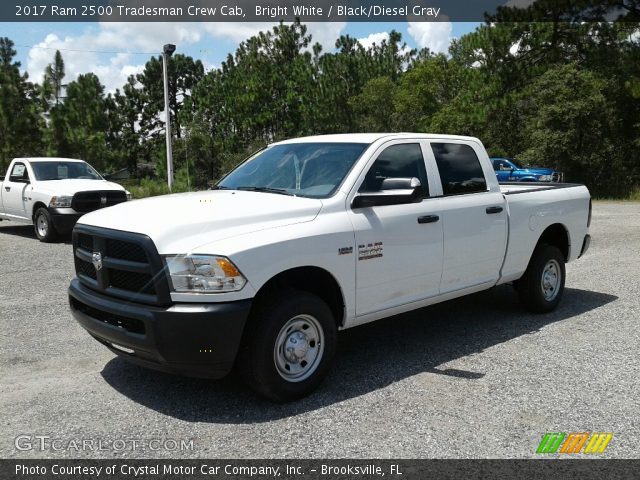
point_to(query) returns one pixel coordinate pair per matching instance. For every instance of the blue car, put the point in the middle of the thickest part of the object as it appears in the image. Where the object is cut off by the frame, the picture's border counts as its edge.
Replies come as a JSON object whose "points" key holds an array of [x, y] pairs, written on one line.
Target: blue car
{"points": [[508, 170]]}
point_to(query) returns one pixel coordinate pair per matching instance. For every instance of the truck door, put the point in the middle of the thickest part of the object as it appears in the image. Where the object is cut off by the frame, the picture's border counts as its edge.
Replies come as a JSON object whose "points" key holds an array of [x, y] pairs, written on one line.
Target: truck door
{"points": [[474, 217], [398, 248], [502, 169], [13, 190]]}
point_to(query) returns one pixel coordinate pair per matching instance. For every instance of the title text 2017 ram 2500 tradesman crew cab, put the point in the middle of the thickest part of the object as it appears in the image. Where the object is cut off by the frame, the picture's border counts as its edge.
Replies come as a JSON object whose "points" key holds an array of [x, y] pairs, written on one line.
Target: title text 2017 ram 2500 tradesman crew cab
{"points": [[310, 236], [52, 193]]}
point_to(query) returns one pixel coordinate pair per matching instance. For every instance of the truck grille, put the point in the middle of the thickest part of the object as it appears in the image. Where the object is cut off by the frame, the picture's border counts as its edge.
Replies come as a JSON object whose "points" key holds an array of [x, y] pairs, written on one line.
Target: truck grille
{"points": [[134, 282], [126, 251], [120, 264], [89, 201], [556, 177], [85, 268]]}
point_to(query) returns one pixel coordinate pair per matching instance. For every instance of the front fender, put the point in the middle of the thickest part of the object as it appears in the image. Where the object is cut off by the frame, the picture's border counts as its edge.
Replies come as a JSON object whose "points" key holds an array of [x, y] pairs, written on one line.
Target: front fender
{"points": [[37, 198]]}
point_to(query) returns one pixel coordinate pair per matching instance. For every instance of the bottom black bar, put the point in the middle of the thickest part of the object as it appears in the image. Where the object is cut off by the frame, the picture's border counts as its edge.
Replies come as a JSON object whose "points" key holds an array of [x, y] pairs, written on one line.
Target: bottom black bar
{"points": [[319, 469]]}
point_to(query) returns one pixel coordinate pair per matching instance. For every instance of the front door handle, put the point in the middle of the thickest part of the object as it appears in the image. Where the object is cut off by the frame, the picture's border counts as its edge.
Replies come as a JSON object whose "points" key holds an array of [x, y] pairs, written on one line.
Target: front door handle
{"points": [[491, 210], [8, 189], [428, 219]]}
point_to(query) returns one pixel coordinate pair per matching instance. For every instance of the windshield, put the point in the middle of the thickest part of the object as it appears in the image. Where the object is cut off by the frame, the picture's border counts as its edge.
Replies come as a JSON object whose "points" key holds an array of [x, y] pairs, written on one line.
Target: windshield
{"points": [[516, 164], [64, 171], [313, 170]]}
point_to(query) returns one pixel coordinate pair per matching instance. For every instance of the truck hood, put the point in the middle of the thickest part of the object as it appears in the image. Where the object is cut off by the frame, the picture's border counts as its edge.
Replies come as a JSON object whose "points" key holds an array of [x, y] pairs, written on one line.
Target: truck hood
{"points": [[180, 223], [70, 187]]}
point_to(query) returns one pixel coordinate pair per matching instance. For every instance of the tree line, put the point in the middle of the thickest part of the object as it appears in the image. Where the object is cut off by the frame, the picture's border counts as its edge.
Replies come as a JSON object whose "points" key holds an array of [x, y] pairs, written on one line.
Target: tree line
{"points": [[564, 94]]}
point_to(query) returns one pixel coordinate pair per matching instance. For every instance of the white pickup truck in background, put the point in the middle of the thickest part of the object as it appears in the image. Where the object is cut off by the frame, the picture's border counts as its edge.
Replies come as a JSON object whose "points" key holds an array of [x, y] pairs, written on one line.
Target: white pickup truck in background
{"points": [[310, 236], [52, 193]]}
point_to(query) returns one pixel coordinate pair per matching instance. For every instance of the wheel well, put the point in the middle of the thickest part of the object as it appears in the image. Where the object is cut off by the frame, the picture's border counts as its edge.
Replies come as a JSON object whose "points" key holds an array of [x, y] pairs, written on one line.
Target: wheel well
{"points": [[310, 279], [36, 206], [557, 236]]}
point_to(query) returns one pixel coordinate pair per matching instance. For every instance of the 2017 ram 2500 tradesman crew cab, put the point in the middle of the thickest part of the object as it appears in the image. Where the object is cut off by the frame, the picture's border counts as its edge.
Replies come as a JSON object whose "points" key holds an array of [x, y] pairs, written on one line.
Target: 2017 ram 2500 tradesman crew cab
{"points": [[52, 193], [310, 236]]}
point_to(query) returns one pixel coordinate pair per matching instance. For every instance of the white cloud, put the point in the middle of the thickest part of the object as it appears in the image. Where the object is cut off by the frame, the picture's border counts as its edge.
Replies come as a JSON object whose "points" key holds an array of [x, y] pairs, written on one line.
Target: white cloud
{"points": [[146, 35], [115, 73], [80, 56], [376, 38], [80, 52], [42, 54], [326, 33], [434, 35], [237, 31]]}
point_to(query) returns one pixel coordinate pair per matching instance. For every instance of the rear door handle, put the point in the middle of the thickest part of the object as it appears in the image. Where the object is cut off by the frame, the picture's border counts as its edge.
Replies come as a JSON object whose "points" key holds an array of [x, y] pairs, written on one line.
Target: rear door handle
{"points": [[8, 189], [491, 210], [428, 219]]}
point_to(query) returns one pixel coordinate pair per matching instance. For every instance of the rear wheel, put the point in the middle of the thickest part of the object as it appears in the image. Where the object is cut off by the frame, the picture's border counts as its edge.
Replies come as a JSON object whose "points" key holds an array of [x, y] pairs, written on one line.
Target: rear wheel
{"points": [[45, 231], [289, 345], [542, 285]]}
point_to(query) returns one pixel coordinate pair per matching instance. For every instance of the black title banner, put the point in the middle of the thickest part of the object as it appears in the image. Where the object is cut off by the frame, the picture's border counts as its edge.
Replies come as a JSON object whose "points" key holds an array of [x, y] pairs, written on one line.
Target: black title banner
{"points": [[315, 10], [121, 469]]}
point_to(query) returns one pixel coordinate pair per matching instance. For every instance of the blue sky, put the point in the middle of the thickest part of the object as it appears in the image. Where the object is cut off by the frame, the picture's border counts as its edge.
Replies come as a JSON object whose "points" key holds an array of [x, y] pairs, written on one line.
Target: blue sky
{"points": [[129, 45]]}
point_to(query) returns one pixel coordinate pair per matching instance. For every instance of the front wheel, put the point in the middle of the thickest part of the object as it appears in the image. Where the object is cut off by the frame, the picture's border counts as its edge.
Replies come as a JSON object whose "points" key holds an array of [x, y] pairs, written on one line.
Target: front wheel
{"points": [[289, 345], [542, 285], [45, 231]]}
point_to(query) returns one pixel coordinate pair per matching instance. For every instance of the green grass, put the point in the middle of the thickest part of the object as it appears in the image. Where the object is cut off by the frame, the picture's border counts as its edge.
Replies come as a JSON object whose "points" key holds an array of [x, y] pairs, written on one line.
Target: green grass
{"points": [[634, 196], [146, 187]]}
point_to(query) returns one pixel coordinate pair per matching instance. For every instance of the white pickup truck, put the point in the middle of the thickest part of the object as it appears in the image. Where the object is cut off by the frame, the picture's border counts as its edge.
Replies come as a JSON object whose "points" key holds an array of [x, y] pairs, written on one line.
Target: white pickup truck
{"points": [[310, 236], [52, 193]]}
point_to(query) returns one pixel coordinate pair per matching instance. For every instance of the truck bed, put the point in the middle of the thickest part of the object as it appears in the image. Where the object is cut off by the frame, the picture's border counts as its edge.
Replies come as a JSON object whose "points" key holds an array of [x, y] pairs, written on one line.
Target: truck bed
{"points": [[541, 204]]}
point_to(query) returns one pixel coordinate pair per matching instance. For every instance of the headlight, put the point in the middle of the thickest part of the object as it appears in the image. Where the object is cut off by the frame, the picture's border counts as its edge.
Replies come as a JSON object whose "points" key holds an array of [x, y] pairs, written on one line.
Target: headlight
{"points": [[60, 202], [544, 178], [129, 197], [203, 274]]}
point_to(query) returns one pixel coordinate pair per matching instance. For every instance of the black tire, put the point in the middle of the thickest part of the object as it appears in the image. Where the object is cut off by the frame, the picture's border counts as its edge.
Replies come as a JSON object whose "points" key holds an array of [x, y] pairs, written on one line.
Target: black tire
{"points": [[536, 294], [258, 357], [45, 231]]}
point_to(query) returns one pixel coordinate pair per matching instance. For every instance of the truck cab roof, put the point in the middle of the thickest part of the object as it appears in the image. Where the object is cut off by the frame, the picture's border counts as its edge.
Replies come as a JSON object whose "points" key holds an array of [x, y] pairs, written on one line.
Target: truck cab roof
{"points": [[371, 137], [47, 159]]}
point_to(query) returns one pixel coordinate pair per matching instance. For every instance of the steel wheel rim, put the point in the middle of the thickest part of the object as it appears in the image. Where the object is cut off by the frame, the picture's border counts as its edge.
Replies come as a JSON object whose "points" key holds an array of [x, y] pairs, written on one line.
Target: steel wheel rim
{"points": [[42, 226], [299, 348], [551, 280]]}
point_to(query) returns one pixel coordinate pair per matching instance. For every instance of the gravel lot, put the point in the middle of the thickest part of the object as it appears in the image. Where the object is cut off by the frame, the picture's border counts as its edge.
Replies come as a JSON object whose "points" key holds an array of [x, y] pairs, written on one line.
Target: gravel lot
{"points": [[476, 377]]}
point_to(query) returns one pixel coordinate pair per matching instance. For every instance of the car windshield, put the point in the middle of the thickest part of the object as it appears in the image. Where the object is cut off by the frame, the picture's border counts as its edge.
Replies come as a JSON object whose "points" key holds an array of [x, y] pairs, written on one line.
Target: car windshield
{"points": [[64, 171], [313, 170], [516, 164]]}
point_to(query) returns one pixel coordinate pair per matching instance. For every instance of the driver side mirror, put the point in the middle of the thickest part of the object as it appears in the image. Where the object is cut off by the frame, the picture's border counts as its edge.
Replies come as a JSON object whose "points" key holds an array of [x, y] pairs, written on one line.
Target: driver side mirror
{"points": [[393, 191]]}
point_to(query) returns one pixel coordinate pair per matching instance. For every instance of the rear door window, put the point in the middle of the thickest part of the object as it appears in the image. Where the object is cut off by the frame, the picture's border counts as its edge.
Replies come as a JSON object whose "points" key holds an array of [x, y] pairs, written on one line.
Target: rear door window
{"points": [[459, 168]]}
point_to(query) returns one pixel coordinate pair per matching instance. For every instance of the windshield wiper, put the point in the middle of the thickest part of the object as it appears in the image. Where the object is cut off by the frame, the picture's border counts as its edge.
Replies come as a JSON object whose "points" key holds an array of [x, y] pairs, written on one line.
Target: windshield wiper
{"points": [[280, 191]]}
